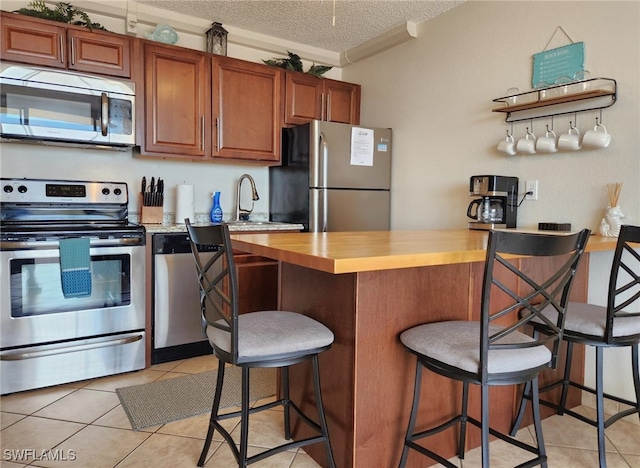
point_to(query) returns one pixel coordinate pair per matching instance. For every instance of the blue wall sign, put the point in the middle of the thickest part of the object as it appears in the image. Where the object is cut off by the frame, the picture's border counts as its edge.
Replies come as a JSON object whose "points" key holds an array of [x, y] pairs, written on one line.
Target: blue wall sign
{"points": [[550, 65]]}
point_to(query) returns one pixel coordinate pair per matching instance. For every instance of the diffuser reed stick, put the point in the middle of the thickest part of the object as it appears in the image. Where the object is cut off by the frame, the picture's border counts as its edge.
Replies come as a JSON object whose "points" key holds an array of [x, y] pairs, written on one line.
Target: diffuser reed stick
{"points": [[614, 193]]}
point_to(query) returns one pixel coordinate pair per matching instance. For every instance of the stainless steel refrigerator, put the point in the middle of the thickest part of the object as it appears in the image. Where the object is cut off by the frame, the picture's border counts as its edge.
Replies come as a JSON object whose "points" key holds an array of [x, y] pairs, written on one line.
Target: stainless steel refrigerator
{"points": [[334, 177]]}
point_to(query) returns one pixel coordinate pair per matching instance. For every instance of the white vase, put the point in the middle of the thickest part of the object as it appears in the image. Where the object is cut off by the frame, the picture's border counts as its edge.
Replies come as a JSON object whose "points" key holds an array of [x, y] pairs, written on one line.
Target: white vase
{"points": [[612, 221]]}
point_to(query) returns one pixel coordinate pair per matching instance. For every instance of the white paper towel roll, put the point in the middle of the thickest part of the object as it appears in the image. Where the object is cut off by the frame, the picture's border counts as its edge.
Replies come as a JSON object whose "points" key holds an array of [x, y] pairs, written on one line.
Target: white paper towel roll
{"points": [[184, 203]]}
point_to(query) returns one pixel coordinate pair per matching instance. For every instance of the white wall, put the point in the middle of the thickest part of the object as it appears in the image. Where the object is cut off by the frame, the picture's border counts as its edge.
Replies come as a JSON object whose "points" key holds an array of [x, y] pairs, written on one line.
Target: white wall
{"points": [[436, 93]]}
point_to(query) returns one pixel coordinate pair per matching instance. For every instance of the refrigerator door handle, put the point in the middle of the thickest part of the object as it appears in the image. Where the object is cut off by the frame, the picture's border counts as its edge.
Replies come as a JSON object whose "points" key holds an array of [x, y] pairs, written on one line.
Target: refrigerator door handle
{"points": [[323, 153], [324, 210]]}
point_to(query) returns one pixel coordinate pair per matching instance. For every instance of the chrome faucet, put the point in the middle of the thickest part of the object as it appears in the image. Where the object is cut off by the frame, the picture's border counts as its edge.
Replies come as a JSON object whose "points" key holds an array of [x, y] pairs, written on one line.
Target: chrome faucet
{"points": [[241, 214]]}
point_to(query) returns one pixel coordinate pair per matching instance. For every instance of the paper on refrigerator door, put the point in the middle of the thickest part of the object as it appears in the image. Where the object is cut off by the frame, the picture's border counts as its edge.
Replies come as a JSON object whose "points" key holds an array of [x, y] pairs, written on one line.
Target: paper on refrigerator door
{"points": [[361, 146]]}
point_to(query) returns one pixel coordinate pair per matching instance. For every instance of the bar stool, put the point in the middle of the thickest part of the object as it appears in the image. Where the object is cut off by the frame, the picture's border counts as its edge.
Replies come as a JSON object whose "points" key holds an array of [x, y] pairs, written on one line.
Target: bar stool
{"points": [[494, 350], [602, 327], [257, 339]]}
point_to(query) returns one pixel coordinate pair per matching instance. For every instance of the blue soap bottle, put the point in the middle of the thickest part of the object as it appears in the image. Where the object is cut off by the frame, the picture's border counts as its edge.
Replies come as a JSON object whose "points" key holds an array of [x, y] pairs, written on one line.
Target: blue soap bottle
{"points": [[216, 210]]}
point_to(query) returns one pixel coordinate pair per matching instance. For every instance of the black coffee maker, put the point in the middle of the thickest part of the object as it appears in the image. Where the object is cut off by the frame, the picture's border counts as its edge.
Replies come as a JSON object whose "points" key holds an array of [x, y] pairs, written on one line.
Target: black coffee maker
{"points": [[497, 206]]}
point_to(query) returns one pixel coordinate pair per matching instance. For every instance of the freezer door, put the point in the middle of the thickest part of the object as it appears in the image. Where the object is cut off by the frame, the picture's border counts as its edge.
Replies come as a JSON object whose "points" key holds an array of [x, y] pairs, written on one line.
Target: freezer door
{"points": [[349, 210], [333, 156]]}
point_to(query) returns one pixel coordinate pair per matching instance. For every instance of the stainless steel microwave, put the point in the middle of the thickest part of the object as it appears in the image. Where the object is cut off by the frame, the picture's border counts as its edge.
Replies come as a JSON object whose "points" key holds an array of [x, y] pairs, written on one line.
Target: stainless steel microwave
{"points": [[48, 105]]}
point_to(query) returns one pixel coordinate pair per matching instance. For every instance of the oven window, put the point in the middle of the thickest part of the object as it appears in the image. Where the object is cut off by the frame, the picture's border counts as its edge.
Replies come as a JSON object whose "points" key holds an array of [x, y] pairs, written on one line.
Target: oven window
{"points": [[36, 287]]}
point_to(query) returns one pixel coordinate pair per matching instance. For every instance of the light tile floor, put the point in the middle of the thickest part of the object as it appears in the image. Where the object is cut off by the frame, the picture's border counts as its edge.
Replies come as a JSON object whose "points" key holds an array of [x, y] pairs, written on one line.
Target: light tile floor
{"points": [[85, 422]]}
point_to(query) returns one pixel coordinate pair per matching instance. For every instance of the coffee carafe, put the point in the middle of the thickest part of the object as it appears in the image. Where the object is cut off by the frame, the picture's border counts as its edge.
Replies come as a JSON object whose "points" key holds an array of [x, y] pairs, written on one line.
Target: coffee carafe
{"points": [[487, 210], [498, 204]]}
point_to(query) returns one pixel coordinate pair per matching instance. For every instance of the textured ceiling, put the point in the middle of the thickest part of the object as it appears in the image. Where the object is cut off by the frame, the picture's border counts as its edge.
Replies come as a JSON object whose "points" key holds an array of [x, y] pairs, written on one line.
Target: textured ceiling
{"points": [[310, 22]]}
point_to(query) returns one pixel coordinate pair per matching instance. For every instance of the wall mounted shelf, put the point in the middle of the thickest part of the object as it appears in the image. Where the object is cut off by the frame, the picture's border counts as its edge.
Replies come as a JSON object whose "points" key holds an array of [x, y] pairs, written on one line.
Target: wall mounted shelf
{"points": [[566, 98]]}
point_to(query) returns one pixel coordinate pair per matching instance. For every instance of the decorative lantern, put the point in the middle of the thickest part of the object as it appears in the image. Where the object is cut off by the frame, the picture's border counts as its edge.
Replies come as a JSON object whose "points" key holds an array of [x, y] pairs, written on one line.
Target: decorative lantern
{"points": [[217, 39]]}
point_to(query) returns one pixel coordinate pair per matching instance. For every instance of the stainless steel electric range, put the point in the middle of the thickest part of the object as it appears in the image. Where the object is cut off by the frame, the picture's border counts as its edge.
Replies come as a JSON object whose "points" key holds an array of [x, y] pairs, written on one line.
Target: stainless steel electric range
{"points": [[48, 337]]}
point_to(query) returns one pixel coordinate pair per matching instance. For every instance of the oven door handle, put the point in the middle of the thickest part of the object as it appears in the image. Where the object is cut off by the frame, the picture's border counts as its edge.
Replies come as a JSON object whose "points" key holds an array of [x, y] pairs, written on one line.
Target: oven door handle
{"points": [[40, 245], [20, 355]]}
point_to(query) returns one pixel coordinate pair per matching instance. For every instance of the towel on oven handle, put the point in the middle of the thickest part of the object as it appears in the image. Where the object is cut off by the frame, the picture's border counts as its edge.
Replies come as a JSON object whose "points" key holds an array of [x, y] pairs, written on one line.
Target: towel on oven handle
{"points": [[75, 267]]}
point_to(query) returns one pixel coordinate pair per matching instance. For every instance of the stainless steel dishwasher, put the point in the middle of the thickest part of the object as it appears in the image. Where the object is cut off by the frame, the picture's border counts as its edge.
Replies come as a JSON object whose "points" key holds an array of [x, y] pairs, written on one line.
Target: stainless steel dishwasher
{"points": [[176, 325]]}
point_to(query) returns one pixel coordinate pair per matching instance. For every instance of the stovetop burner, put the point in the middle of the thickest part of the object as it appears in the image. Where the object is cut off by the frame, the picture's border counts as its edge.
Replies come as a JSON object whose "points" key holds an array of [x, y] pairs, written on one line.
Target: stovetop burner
{"points": [[39, 209]]}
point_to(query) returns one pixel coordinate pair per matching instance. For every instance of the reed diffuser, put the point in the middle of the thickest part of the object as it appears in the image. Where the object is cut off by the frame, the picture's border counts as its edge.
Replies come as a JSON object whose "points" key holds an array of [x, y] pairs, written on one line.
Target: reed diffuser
{"points": [[612, 221], [614, 193]]}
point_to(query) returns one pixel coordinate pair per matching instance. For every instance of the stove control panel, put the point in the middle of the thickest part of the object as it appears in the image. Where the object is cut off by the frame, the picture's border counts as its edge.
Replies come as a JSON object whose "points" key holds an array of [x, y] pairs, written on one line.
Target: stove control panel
{"points": [[62, 191]]}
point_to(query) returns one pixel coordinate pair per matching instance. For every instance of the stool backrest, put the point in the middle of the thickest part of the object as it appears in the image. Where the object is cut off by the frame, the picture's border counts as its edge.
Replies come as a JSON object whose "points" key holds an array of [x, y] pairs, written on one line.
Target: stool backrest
{"points": [[623, 301], [218, 282], [513, 293]]}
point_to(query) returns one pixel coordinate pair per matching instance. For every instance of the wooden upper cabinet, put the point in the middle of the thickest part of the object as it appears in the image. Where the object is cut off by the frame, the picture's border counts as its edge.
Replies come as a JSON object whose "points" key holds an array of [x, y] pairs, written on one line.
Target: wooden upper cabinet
{"points": [[100, 53], [177, 100], [39, 42], [342, 102], [303, 98], [308, 98], [27, 40], [246, 110]]}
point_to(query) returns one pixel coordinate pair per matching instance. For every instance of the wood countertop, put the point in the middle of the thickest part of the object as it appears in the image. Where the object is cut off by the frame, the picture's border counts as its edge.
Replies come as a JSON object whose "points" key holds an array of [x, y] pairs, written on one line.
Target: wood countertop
{"points": [[349, 252]]}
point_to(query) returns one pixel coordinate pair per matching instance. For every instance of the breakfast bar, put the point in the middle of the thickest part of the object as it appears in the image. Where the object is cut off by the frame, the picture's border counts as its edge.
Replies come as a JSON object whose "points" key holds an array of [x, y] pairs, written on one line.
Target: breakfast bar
{"points": [[368, 287]]}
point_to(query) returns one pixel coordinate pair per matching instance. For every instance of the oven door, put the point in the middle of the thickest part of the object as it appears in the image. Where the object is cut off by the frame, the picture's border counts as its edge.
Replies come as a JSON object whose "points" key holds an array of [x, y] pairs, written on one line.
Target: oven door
{"points": [[34, 310]]}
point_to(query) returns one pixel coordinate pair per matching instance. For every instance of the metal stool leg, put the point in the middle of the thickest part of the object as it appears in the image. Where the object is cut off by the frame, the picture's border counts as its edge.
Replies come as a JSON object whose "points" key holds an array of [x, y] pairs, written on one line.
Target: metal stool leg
{"points": [[463, 420], [287, 407], [600, 407], [244, 419], [566, 379], [635, 363], [414, 412], [537, 422], [214, 414], [321, 416], [523, 406], [485, 425]]}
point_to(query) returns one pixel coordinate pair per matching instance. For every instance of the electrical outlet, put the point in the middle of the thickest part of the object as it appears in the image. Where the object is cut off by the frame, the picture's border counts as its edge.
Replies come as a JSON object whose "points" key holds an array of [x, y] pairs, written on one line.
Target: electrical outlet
{"points": [[531, 186]]}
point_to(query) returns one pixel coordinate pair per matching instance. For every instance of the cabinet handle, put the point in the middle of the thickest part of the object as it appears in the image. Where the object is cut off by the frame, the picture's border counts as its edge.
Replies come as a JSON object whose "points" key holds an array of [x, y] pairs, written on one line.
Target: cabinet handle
{"points": [[202, 133], [60, 40], [104, 114], [217, 134], [73, 52], [322, 117], [328, 107]]}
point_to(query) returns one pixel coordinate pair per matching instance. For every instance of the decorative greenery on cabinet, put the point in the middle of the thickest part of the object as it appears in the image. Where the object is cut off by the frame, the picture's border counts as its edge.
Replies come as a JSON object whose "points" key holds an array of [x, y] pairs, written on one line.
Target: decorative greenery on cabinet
{"points": [[62, 13]]}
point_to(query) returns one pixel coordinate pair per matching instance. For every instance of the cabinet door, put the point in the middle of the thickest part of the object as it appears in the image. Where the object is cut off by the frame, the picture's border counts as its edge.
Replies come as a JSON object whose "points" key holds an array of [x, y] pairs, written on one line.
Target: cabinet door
{"points": [[342, 102], [246, 110], [303, 98], [34, 42], [100, 53], [176, 101]]}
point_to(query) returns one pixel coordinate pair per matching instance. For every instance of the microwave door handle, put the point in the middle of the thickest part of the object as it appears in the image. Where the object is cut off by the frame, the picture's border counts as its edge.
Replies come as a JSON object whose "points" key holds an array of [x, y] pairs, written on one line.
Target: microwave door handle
{"points": [[104, 114]]}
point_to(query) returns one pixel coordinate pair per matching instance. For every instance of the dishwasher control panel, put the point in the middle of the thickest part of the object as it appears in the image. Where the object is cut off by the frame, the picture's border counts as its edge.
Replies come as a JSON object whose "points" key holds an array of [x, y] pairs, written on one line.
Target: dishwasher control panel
{"points": [[173, 243]]}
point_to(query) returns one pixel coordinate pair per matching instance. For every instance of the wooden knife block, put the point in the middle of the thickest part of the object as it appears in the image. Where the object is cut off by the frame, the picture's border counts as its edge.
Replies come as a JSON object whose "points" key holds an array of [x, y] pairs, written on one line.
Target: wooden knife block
{"points": [[150, 214]]}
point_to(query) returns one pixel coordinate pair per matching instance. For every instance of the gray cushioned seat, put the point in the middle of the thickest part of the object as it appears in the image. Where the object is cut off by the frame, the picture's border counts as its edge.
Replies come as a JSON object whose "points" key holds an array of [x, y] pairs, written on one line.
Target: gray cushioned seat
{"points": [[456, 343], [269, 333], [589, 319]]}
